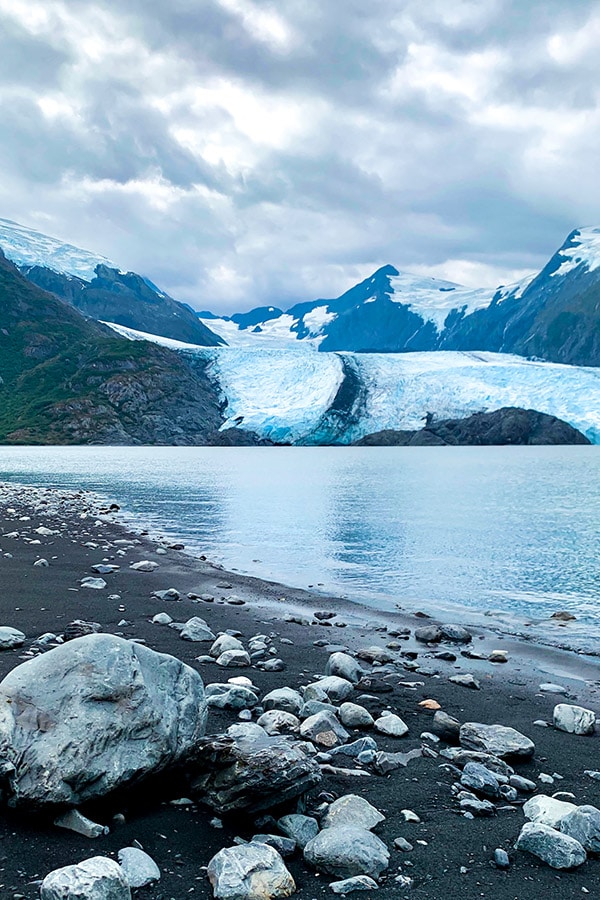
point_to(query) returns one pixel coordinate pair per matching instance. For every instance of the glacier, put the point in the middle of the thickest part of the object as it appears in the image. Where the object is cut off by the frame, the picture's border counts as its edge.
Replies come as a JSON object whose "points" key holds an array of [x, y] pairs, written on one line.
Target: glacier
{"points": [[26, 247], [303, 397]]}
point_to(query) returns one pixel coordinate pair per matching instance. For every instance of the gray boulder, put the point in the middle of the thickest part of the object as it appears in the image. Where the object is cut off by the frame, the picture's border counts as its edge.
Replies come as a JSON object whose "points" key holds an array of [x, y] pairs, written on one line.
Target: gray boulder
{"points": [[337, 689], [92, 715], [354, 716], [344, 666], [284, 698], [225, 642], [98, 878], [499, 740], [555, 849], [299, 828], [232, 659], [349, 885], [352, 810], [249, 872], [323, 728], [276, 721], [583, 824], [391, 725], [346, 851], [196, 629], [139, 868], [574, 719], [10, 637], [230, 696], [477, 778], [446, 727]]}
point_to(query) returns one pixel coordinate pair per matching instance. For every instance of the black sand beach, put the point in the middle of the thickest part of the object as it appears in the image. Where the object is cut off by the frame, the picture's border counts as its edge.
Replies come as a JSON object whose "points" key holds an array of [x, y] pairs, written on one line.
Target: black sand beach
{"points": [[452, 855]]}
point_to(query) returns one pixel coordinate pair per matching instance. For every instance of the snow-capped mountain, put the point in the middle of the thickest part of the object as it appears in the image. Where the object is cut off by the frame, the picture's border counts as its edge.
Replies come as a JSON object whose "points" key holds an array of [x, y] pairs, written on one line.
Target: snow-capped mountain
{"points": [[97, 287], [554, 314], [302, 397]]}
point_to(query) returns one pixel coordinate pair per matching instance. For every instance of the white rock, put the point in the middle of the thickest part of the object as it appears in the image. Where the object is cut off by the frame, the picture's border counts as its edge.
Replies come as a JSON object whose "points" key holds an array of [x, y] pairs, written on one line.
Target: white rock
{"points": [[231, 658], [546, 810], [96, 584], [144, 565], [98, 878], [196, 629], [73, 820], [249, 872], [162, 619], [350, 809], [10, 637], [391, 725], [574, 719], [225, 642], [354, 716]]}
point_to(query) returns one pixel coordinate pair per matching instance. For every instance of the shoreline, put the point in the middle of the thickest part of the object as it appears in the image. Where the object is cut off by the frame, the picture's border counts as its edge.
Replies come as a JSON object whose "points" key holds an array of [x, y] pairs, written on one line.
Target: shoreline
{"points": [[43, 599]]}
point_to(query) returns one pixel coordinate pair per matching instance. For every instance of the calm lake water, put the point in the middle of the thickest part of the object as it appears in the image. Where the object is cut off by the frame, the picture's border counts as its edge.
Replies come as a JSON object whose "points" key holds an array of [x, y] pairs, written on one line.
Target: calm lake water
{"points": [[513, 529]]}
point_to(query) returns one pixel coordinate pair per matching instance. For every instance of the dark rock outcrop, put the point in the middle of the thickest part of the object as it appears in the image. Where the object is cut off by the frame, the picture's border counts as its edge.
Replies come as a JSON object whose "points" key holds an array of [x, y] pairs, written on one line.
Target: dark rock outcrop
{"points": [[509, 425]]}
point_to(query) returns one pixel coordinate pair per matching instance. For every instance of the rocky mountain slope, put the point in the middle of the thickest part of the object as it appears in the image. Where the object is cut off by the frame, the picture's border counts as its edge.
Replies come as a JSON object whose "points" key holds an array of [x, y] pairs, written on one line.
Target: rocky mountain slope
{"points": [[66, 379], [97, 288], [554, 315]]}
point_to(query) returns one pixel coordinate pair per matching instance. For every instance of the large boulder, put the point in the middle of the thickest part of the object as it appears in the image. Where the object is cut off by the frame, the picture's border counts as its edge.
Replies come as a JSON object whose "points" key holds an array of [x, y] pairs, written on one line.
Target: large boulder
{"points": [[555, 849], [98, 878], [499, 740], [583, 824], [574, 719], [93, 715], [249, 872], [246, 769], [347, 850], [544, 810]]}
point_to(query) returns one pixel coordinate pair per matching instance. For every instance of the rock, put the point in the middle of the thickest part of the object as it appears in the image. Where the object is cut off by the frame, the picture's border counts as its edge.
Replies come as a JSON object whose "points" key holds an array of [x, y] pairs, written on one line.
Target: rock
{"points": [[98, 878], [499, 740], [402, 844], [41, 563], [312, 707], [234, 659], [574, 719], [563, 616], [225, 642], [460, 758], [324, 728], [428, 634], [271, 665], [284, 698], [477, 808], [162, 619], [246, 769], [522, 784], [375, 655], [446, 727], [374, 685], [144, 565], [249, 872], [430, 704], [230, 696], [479, 779], [354, 716], [337, 689], [285, 846], [10, 637], [277, 721], [583, 824], [433, 634], [349, 885], [545, 810], [196, 629], [96, 584], [391, 725], [498, 656], [549, 688], [170, 595], [89, 703], [389, 762], [555, 849], [409, 816], [501, 860], [352, 810], [104, 569], [78, 628], [346, 851], [299, 828], [344, 666], [73, 820], [139, 868], [467, 680]]}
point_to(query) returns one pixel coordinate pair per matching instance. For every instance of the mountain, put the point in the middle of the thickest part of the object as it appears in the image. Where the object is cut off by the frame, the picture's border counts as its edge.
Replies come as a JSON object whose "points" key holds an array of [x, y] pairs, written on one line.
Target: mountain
{"points": [[299, 396], [66, 379], [553, 315], [97, 288]]}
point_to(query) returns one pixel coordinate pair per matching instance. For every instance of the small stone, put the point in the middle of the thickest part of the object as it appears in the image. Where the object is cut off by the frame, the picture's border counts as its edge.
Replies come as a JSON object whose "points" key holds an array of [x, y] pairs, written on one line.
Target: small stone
{"points": [[430, 704], [446, 727], [344, 666], [501, 859], [324, 728], [336, 688], [96, 584], [277, 721], [354, 716], [299, 828], [498, 740], [284, 698], [170, 595], [73, 820], [409, 816], [477, 778], [10, 637], [498, 656], [197, 630], [550, 688], [144, 565], [349, 885], [402, 844], [225, 642], [346, 851], [467, 680], [41, 563], [285, 846]]}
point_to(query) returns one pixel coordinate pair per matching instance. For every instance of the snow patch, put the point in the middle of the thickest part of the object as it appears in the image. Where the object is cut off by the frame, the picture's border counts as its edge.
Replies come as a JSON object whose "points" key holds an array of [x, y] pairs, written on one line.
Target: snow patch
{"points": [[26, 247], [585, 251]]}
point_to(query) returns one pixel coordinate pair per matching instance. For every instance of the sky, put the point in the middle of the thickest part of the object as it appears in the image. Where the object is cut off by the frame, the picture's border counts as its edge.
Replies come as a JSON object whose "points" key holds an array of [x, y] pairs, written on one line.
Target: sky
{"points": [[247, 152]]}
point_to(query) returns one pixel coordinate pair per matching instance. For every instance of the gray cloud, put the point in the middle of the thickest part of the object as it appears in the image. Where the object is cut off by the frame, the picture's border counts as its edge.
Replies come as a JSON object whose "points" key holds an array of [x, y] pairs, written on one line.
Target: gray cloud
{"points": [[242, 152]]}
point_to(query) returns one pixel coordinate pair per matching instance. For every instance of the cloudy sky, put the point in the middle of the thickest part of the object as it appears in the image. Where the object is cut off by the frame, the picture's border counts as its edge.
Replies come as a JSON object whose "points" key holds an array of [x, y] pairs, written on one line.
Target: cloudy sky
{"points": [[241, 152]]}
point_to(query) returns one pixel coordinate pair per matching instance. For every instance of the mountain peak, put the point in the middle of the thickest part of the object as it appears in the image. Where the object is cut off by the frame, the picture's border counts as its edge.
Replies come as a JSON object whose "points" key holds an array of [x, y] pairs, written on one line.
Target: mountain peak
{"points": [[26, 247]]}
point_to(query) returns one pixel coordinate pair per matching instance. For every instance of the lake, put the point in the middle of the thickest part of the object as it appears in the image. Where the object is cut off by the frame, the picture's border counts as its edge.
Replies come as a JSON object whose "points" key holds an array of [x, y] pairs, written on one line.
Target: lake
{"points": [[513, 530]]}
